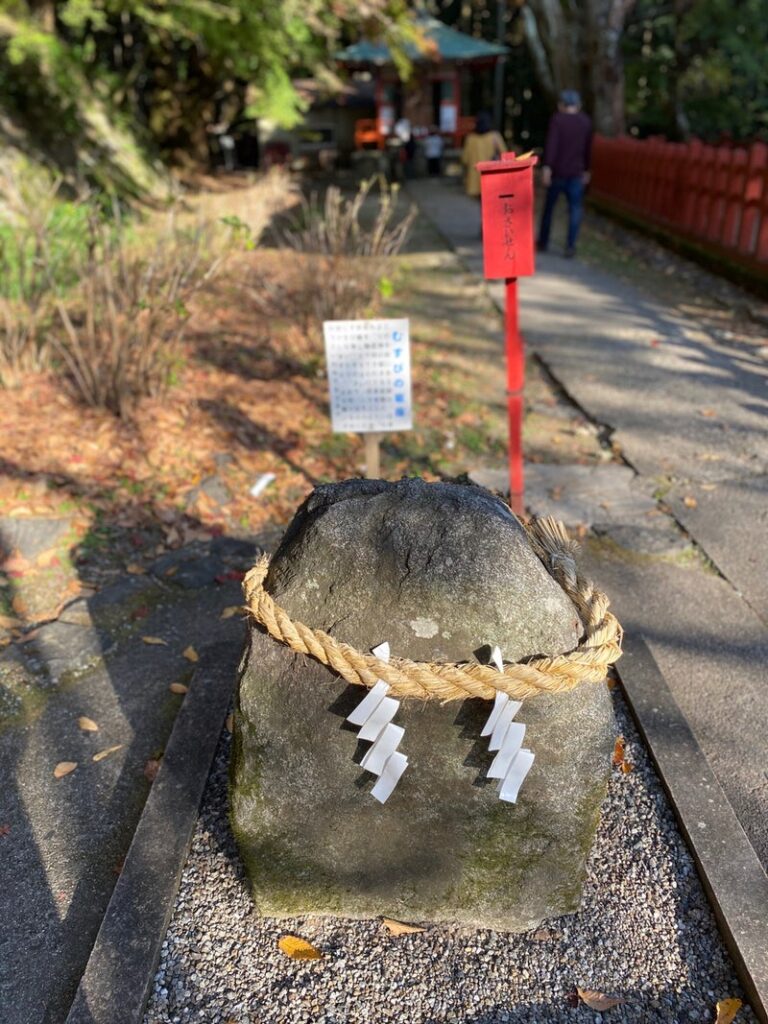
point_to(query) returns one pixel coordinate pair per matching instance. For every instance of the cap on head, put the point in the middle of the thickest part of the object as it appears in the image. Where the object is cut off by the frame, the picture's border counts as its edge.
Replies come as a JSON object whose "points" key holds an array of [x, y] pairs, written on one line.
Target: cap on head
{"points": [[570, 98]]}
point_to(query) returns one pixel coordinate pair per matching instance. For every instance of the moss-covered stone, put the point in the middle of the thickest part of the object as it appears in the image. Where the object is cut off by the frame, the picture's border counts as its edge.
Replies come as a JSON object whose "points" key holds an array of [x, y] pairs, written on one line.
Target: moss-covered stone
{"points": [[443, 848]]}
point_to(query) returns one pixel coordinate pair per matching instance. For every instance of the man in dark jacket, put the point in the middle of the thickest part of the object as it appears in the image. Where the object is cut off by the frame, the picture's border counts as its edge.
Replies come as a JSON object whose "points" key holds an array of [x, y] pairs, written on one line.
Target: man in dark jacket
{"points": [[565, 166]]}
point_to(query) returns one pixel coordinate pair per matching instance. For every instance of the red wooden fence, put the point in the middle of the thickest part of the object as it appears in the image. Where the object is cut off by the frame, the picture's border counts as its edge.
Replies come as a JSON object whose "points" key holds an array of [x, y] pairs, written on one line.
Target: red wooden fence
{"points": [[716, 196]]}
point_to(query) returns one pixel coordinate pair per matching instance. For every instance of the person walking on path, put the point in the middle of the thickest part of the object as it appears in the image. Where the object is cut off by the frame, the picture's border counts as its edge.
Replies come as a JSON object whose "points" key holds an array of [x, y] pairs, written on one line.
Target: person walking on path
{"points": [[433, 151], [565, 167], [481, 144]]}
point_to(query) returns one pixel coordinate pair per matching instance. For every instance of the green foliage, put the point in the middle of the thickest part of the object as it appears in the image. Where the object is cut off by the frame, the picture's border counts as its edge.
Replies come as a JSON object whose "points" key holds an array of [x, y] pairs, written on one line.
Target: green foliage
{"points": [[158, 74], [698, 68]]}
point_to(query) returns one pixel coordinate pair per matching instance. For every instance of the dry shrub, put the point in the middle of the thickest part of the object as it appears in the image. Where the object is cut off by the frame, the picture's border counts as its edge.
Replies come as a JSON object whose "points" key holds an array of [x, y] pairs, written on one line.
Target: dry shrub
{"points": [[343, 246], [34, 228], [122, 327]]}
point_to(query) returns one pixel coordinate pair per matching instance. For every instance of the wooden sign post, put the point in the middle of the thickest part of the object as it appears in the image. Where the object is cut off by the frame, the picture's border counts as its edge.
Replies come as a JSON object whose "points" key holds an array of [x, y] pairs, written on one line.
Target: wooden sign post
{"points": [[507, 204], [369, 377]]}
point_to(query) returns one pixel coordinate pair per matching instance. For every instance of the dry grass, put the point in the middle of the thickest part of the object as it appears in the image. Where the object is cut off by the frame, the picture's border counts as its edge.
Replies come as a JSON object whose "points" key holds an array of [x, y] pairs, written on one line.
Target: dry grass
{"points": [[340, 255], [122, 327]]}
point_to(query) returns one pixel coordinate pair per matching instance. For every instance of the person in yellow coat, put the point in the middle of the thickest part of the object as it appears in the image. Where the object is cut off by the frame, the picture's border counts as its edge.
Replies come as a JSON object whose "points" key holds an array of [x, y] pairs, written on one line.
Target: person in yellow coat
{"points": [[481, 144]]}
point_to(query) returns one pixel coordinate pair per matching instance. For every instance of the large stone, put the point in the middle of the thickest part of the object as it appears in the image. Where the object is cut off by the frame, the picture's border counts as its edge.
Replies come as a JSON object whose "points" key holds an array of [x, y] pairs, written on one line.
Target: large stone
{"points": [[440, 571]]}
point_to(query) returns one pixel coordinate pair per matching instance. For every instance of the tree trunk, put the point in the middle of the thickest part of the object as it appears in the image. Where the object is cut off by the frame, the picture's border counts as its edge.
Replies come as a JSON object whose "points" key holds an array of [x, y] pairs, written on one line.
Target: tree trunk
{"points": [[553, 33], [605, 26], [576, 44], [44, 13]]}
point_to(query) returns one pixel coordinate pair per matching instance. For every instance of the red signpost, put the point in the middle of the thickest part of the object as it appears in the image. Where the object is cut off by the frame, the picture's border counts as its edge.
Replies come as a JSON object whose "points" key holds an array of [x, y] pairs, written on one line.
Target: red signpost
{"points": [[507, 204]]}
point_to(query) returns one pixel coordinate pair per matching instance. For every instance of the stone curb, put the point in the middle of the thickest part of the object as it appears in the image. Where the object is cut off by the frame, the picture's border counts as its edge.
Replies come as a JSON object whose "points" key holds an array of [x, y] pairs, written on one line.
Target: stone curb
{"points": [[118, 977], [733, 878]]}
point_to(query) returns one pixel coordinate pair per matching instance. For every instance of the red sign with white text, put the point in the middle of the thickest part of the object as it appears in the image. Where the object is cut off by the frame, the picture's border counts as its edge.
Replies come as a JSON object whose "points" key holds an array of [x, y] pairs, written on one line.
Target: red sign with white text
{"points": [[507, 204]]}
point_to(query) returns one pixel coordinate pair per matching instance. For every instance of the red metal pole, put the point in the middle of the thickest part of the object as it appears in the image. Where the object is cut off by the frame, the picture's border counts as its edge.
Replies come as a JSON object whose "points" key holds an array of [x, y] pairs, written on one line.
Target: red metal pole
{"points": [[515, 385]]}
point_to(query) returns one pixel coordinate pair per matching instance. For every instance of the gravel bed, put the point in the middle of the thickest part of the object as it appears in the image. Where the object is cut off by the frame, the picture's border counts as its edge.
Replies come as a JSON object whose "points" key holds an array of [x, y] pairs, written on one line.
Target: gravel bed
{"points": [[645, 932]]}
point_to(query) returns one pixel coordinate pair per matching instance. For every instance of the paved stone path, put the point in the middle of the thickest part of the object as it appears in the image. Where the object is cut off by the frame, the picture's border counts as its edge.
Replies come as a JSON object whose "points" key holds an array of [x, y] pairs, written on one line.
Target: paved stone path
{"points": [[688, 414], [62, 841]]}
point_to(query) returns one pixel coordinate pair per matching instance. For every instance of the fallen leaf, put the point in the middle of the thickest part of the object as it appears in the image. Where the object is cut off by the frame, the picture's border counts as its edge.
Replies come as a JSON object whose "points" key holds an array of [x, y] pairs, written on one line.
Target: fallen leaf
{"points": [[707, 412], [87, 724], [4, 830], [727, 1010], [19, 605], [618, 759], [708, 487], [135, 569], [191, 654], [105, 753], [545, 935], [298, 949], [233, 609], [15, 563], [7, 622], [398, 928], [64, 768], [178, 688], [689, 501], [151, 768], [47, 559], [597, 1000], [230, 722], [154, 640]]}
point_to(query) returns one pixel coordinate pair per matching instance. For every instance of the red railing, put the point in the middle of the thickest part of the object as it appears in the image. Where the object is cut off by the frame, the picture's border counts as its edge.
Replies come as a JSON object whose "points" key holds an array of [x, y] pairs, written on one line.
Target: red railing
{"points": [[716, 196]]}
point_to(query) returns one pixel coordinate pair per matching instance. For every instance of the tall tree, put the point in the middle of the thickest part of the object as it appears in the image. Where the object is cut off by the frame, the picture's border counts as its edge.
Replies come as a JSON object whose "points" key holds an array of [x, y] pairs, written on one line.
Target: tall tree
{"points": [[577, 44]]}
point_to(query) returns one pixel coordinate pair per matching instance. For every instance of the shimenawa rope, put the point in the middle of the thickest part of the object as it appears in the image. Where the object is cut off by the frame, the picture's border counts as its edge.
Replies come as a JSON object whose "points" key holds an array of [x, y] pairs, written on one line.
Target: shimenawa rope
{"points": [[589, 662]]}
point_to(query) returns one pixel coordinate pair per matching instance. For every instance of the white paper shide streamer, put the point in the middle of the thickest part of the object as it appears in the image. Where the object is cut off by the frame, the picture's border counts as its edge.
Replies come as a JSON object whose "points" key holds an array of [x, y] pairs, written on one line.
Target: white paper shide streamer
{"points": [[512, 762], [374, 715]]}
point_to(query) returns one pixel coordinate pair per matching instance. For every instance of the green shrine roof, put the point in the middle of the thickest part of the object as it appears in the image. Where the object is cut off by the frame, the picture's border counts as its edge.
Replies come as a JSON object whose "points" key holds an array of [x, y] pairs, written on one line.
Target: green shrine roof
{"points": [[449, 44]]}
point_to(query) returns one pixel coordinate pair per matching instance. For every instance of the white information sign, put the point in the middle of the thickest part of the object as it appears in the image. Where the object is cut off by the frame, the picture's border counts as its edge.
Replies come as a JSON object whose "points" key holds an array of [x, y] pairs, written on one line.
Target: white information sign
{"points": [[369, 375]]}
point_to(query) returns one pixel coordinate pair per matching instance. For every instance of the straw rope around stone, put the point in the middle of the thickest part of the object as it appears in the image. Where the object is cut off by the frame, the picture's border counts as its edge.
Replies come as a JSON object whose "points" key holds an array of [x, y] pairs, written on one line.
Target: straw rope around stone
{"points": [[444, 681]]}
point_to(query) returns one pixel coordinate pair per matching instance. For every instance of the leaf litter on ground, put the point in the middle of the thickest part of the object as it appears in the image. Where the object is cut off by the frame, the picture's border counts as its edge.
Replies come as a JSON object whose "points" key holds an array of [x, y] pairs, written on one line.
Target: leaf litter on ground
{"points": [[598, 1000], [399, 927], [727, 1009], [618, 759], [107, 751], [297, 948]]}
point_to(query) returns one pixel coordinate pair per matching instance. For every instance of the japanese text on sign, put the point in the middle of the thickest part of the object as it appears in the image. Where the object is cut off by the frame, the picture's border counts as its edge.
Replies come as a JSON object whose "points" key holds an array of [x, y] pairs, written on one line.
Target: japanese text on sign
{"points": [[509, 229], [369, 374]]}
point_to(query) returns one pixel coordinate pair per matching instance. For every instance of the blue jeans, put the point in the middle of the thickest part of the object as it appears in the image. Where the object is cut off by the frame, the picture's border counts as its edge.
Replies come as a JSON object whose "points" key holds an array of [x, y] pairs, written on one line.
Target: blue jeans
{"points": [[574, 193]]}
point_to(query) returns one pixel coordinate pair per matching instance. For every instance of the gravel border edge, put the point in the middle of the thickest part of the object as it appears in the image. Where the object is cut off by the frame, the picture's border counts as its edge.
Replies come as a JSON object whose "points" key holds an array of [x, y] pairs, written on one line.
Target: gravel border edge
{"points": [[118, 977], [117, 981], [733, 878]]}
